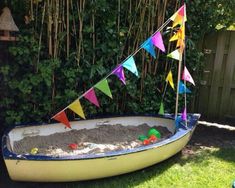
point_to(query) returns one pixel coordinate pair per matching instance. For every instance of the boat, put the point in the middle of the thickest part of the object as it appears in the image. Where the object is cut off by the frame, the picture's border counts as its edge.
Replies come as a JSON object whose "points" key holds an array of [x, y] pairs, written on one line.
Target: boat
{"points": [[36, 167]]}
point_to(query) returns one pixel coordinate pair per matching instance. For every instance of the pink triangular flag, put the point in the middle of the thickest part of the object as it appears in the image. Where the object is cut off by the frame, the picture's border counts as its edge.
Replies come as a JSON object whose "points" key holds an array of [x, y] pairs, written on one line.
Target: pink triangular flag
{"points": [[187, 76], [158, 42], [61, 117], [90, 95], [184, 115]]}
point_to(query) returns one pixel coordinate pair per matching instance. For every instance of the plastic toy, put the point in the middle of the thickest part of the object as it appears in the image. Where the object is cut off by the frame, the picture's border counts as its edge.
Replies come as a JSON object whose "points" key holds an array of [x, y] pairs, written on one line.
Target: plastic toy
{"points": [[34, 151], [73, 146]]}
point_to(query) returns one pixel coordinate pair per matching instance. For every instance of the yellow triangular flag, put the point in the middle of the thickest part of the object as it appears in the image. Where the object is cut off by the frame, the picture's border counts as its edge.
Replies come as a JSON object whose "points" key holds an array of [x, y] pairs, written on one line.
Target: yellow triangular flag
{"points": [[169, 79], [77, 108], [174, 37], [179, 35], [174, 16]]}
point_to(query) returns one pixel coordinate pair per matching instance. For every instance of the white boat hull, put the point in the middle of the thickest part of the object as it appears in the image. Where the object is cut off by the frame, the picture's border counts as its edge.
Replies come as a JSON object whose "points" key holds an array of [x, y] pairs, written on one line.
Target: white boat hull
{"points": [[86, 167]]}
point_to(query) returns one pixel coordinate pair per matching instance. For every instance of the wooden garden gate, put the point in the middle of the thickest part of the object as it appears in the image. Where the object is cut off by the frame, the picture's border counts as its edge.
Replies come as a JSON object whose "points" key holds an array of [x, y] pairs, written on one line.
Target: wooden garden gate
{"points": [[217, 87]]}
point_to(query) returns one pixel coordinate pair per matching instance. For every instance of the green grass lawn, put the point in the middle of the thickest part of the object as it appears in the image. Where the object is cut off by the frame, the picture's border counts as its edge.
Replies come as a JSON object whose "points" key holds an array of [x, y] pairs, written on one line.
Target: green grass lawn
{"points": [[201, 167], [208, 162], [197, 167]]}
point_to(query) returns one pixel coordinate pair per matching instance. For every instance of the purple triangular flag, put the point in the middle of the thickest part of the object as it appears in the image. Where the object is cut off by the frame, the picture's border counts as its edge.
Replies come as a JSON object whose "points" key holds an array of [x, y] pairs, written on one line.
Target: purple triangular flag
{"points": [[90, 95], [158, 42], [119, 72], [184, 115]]}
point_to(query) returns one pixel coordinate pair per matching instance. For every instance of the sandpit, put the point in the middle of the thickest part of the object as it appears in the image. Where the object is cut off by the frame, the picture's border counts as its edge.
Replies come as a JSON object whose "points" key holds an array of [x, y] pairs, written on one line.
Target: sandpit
{"points": [[102, 139]]}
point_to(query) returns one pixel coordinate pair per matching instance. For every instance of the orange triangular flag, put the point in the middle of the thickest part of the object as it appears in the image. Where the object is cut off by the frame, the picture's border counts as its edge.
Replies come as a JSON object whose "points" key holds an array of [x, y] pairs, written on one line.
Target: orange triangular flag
{"points": [[77, 108], [178, 20], [179, 16], [180, 43], [61, 117]]}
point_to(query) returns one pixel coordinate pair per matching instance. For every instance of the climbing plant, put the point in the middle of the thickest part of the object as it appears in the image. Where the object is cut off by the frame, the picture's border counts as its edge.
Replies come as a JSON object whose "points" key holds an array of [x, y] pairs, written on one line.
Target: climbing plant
{"points": [[67, 46]]}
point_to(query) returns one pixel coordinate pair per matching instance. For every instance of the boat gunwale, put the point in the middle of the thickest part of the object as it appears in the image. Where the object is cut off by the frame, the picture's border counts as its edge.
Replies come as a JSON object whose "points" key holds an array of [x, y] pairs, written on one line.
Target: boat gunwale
{"points": [[180, 133]]}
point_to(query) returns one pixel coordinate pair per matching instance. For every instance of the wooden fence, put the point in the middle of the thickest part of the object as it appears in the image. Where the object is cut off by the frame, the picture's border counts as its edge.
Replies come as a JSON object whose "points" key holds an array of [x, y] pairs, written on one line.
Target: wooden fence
{"points": [[216, 97]]}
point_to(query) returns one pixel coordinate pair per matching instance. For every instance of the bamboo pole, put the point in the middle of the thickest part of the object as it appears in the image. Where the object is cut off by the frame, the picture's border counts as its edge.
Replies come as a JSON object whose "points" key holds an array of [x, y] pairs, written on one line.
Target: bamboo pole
{"points": [[49, 35], [74, 29], [40, 35], [93, 37], [135, 52], [56, 16], [118, 29], [67, 26], [179, 72], [80, 8]]}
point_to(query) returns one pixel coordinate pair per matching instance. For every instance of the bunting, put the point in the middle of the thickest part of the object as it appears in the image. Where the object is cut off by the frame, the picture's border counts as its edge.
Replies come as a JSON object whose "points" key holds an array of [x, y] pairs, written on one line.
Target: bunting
{"points": [[103, 86], [184, 115], [119, 72], [177, 122], [130, 65], [178, 20], [61, 117], [148, 46], [77, 108], [183, 88], [187, 76], [180, 43], [180, 123], [91, 96], [180, 34], [179, 16], [161, 110], [158, 42], [175, 55], [169, 79]]}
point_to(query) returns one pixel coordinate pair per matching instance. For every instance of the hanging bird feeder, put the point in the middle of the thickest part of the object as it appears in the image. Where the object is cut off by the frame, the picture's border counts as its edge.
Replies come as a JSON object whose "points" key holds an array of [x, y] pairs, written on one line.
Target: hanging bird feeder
{"points": [[7, 26]]}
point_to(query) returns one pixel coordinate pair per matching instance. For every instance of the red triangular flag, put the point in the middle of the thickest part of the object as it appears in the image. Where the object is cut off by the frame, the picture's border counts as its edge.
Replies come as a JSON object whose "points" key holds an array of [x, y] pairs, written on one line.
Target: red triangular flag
{"points": [[61, 117], [90, 95], [181, 10]]}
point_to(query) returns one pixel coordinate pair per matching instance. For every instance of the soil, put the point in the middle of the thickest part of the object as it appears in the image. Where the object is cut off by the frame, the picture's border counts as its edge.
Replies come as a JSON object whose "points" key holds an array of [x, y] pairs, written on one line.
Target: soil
{"points": [[98, 140]]}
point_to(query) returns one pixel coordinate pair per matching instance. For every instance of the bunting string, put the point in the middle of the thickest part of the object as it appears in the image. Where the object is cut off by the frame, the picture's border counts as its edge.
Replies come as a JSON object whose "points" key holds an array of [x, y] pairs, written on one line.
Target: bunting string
{"points": [[155, 40], [131, 55]]}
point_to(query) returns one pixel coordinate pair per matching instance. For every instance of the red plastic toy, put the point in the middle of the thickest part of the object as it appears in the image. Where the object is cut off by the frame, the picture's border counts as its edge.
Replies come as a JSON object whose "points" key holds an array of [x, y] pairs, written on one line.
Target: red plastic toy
{"points": [[73, 146], [153, 138]]}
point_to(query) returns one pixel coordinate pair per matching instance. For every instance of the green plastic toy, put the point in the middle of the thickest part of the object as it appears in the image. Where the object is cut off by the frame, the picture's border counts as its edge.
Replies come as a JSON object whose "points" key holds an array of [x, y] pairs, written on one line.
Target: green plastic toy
{"points": [[142, 137], [154, 132]]}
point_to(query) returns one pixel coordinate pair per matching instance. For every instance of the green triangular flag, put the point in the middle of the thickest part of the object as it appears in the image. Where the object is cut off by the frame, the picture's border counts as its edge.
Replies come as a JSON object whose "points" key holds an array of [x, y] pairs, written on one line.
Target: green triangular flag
{"points": [[161, 110], [104, 87]]}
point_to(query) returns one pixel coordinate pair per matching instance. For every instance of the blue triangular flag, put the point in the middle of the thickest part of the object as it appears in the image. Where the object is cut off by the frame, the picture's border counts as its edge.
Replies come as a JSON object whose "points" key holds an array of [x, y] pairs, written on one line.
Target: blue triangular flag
{"points": [[148, 46], [129, 64], [183, 88], [179, 123]]}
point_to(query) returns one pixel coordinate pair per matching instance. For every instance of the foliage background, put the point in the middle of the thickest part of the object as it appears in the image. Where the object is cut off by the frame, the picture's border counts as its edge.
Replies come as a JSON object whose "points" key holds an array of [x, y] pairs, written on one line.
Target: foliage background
{"points": [[61, 53]]}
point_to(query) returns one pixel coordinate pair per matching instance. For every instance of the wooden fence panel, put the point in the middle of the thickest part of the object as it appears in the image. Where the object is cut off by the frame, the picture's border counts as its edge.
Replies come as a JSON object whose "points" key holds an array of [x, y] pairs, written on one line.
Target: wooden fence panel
{"points": [[217, 87]]}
